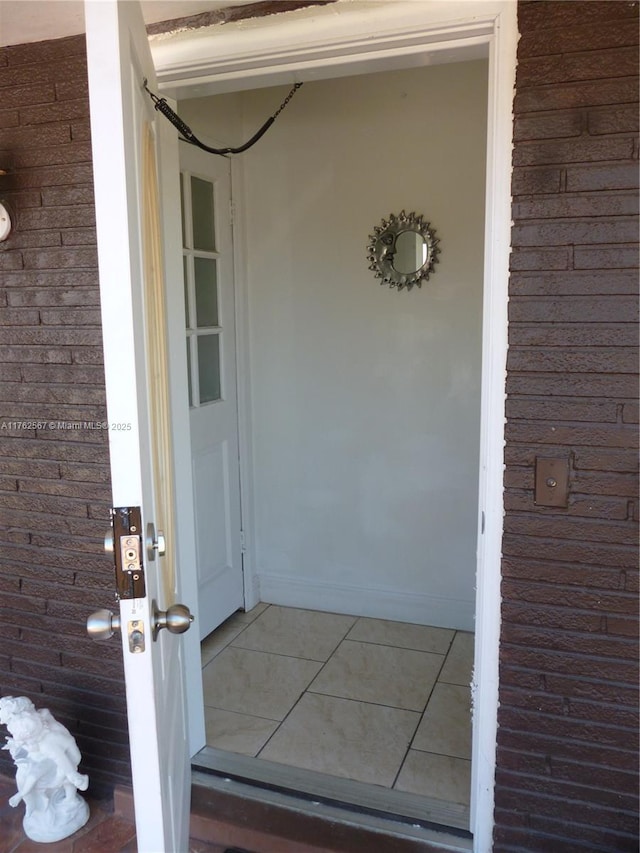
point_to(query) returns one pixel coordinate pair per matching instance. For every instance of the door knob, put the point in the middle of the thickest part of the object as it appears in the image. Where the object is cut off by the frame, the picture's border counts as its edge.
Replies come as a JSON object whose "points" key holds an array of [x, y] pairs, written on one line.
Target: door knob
{"points": [[176, 619], [103, 624]]}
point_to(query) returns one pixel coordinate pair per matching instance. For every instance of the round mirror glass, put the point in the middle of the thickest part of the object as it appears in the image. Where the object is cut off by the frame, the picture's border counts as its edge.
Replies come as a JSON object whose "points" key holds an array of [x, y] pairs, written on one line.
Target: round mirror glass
{"points": [[410, 252], [403, 250]]}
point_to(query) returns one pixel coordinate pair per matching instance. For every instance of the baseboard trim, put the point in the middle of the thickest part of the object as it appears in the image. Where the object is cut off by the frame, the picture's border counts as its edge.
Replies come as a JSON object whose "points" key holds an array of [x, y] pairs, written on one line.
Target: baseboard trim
{"points": [[376, 602]]}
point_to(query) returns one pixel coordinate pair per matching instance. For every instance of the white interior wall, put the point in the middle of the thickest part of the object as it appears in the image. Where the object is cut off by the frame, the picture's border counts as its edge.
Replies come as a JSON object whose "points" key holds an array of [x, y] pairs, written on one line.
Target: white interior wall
{"points": [[365, 401]]}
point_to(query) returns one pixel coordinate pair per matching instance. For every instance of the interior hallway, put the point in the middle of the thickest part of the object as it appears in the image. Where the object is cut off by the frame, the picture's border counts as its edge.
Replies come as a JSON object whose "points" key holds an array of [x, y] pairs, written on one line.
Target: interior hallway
{"points": [[365, 699]]}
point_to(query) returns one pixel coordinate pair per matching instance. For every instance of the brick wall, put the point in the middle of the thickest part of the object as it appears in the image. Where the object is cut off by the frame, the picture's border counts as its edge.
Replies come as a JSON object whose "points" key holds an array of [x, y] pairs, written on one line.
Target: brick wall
{"points": [[54, 483], [567, 744]]}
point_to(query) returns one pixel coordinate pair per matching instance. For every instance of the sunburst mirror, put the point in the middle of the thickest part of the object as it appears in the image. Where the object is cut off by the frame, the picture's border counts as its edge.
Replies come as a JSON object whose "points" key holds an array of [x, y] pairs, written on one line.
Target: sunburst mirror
{"points": [[403, 250]]}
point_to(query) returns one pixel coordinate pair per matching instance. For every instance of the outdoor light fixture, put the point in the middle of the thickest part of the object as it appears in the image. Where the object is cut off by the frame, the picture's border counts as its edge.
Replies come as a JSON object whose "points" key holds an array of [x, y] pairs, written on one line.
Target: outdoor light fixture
{"points": [[5, 222], [5, 217]]}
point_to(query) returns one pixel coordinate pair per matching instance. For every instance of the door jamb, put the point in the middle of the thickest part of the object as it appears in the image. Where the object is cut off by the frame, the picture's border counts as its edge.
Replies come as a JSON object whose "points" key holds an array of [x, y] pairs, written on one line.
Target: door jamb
{"points": [[493, 24]]}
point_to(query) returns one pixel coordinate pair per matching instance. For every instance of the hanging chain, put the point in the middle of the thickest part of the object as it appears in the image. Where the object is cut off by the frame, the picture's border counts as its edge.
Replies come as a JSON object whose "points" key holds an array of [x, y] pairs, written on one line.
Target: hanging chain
{"points": [[187, 135], [286, 100]]}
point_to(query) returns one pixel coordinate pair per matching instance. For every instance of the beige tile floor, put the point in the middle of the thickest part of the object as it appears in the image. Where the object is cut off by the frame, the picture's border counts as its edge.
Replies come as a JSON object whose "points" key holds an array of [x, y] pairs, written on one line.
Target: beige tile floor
{"points": [[376, 701]]}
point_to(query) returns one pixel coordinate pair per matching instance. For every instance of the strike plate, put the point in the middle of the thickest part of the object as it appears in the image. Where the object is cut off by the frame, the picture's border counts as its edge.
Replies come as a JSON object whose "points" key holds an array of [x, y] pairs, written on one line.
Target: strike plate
{"points": [[128, 551], [135, 634], [552, 482]]}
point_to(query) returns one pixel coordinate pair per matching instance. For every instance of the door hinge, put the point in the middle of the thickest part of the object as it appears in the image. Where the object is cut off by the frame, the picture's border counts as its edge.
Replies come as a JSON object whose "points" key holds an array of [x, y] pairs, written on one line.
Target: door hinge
{"points": [[232, 212], [243, 543]]}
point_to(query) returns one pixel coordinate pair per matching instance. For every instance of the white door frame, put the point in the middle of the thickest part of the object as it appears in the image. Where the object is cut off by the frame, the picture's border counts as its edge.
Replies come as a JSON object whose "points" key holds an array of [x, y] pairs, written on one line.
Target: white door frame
{"points": [[333, 41]]}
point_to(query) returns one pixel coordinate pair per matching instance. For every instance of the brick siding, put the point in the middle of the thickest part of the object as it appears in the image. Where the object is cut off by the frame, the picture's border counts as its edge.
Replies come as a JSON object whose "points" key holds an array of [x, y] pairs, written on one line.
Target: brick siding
{"points": [[567, 745], [54, 483]]}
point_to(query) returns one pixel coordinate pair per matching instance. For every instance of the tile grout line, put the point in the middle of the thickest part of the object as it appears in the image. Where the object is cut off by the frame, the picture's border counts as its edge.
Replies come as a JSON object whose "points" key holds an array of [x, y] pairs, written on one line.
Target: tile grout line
{"points": [[424, 711], [306, 689]]}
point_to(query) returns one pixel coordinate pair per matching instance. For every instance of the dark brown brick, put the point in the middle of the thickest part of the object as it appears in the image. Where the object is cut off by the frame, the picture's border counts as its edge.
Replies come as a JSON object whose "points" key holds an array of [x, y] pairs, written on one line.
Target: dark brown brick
{"points": [[543, 14], [53, 296], [71, 89], [567, 527], [23, 200], [79, 237], [11, 260], [553, 125], [529, 180], [65, 67], [90, 492], [82, 395], [72, 195], [589, 65], [606, 257], [569, 309], [22, 139], [521, 499], [58, 217], [30, 239], [573, 151], [601, 482], [577, 205], [69, 279], [52, 176], [72, 152], [598, 435], [63, 111], [35, 354], [574, 359], [598, 795], [592, 93], [19, 317], [60, 259], [541, 259], [614, 176], [588, 553], [573, 334], [81, 130], [46, 52], [71, 316], [545, 409], [580, 231], [558, 38], [613, 120], [24, 96], [578, 384]]}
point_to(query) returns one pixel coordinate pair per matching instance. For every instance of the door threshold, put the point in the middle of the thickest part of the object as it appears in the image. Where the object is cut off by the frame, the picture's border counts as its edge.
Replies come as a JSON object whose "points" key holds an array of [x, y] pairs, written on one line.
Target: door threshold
{"points": [[397, 813]]}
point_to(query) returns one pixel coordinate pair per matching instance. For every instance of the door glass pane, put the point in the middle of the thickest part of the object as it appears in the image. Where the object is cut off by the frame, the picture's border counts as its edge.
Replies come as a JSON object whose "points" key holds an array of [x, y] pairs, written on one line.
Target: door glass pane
{"points": [[209, 367], [189, 371], [206, 292], [202, 212], [186, 292], [184, 226]]}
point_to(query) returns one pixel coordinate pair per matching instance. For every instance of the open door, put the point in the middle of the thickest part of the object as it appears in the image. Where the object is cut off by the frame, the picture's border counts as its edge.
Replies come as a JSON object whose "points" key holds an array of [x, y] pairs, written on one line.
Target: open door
{"points": [[130, 153]]}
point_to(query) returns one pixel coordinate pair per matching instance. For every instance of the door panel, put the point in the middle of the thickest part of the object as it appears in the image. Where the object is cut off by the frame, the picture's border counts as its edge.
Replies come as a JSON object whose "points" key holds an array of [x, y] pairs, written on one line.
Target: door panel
{"points": [[130, 151], [211, 353]]}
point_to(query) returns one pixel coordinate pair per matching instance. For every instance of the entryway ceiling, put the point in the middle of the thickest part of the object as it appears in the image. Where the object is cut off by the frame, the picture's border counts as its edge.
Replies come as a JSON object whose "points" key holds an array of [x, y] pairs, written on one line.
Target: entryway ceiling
{"points": [[24, 21]]}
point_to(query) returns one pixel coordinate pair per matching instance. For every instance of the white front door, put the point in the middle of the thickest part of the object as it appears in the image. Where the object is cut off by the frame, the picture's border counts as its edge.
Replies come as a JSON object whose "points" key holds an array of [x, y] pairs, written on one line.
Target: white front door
{"points": [[211, 359], [131, 152]]}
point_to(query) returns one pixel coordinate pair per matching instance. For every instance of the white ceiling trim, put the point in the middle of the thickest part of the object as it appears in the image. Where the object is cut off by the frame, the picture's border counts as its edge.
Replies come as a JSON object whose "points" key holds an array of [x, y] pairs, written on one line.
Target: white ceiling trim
{"points": [[348, 37]]}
